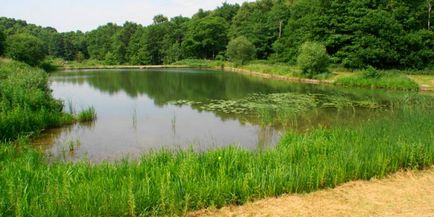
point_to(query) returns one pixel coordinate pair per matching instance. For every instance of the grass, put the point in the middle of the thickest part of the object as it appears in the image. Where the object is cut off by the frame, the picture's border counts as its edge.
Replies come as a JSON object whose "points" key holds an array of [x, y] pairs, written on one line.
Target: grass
{"points": [[26, 105], [275, 69], [201, 63], [60, 63], [391, 81], [408, 80], [87, 115], [425, 81], [173, 183]]}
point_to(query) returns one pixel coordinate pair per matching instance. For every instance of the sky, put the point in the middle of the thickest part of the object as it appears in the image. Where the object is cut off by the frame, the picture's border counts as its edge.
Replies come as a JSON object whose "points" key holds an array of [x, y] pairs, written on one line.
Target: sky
{"points": [[85, 15]]}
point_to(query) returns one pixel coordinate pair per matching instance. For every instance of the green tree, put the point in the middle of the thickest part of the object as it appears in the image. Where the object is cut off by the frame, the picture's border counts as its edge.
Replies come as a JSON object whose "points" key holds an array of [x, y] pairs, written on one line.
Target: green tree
{"points": [[206, 37], [226, 11], [2, 43], [313, 58], [100, 41], [137, 51], [261, 22], [241, 50], [26, 48]]}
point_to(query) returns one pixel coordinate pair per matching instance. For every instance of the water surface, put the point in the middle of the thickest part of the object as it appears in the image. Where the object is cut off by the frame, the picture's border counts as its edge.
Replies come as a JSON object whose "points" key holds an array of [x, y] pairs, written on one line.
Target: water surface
{"points": [[139, 111]]}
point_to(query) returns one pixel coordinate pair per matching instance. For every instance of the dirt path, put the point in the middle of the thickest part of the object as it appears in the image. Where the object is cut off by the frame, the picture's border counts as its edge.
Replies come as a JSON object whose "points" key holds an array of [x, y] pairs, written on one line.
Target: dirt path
{"points": [[402, 194]]}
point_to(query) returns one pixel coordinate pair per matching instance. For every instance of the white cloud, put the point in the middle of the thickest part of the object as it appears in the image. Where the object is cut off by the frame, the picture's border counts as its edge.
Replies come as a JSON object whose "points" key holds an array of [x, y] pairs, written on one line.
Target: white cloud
{"points": [[71, 15]]}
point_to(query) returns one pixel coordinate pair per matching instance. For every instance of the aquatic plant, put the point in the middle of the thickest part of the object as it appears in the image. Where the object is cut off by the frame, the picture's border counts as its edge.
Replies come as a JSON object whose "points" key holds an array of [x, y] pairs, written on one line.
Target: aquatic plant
{"points": [[87, 115]]}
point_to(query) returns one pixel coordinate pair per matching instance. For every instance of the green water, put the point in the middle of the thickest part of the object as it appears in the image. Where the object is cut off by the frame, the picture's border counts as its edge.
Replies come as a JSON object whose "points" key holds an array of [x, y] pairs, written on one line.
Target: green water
{"points": [[143, 110]]}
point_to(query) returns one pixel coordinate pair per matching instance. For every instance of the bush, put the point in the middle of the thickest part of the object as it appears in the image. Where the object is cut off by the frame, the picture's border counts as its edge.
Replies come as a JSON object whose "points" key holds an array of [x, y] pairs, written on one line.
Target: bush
{"points": [[313, 58], [25, 48], [110, 59], [241, 50], [371, 73], [48, 65]]}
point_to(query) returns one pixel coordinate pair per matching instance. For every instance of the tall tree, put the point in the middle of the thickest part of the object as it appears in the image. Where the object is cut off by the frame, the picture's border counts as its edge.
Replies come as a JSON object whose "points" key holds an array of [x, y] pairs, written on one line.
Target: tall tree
{"points": [[206, 37], [260, 22], [100, 40]]}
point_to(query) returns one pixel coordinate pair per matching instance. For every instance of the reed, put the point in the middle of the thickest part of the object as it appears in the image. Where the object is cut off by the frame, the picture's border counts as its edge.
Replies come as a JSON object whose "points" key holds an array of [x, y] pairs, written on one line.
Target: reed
{"points": [[87, 115], [175, 182]]}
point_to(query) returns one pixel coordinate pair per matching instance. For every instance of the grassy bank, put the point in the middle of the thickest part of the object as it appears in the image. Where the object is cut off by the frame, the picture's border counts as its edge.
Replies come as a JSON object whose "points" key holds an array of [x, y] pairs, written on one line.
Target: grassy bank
{"points": [[26, 105], [392, 79], [168, 182]]}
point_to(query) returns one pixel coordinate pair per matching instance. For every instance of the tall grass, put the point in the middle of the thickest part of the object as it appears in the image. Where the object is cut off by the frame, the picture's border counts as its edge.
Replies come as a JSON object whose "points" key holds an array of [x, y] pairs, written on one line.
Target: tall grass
{"points": [[26, 104], [277, 69], [173, 183], [87, 115], [393, 81], [200, 63]]}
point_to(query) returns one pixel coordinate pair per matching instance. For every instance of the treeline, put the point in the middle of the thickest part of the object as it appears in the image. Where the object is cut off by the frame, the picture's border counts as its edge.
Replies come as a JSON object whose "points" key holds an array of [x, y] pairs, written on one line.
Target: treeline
{"points": [[356, 33]]}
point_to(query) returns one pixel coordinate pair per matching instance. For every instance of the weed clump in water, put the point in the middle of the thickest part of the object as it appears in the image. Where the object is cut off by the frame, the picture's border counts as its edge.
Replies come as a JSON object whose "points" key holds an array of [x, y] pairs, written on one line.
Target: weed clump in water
{"points": [[87, 115]]}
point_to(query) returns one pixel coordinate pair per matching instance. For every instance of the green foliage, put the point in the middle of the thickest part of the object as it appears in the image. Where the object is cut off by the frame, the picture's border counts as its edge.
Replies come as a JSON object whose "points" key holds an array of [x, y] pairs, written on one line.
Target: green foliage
{"points": [[199, 63], [25, 48], [313, 58], [374, 79], [26, 104], [241, 50], [418, 49], [206, 37], [371, 73], [262, 23], [110, 59], [87, 115], [2, 43], [357, 34], [174, 183], [264, 67], [49, 64]]}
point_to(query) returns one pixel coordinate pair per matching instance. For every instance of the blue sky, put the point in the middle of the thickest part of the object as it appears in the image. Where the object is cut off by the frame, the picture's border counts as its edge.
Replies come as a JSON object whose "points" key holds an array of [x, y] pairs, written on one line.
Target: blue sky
{"points": [[71, 15]]}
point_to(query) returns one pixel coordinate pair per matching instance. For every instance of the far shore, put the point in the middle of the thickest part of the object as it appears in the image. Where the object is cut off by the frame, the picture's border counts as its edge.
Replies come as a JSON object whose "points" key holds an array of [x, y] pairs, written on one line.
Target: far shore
{"points": [[423, 87]]}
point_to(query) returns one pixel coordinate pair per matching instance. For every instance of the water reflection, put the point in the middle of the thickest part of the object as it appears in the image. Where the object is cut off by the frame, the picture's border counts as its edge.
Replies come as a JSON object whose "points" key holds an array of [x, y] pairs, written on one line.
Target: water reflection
{"points": [[136, 112]]}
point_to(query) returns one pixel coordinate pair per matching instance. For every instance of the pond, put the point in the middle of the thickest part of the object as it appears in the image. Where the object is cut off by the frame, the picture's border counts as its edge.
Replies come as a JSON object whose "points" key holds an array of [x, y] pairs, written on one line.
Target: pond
{"points": [[143, 110]]}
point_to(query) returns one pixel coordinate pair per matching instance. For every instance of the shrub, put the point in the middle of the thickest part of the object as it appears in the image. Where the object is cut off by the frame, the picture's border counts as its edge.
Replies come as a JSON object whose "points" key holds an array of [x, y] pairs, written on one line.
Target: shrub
{"points": [[25, 48], [241, 50], [313, 58], [371, 73]]}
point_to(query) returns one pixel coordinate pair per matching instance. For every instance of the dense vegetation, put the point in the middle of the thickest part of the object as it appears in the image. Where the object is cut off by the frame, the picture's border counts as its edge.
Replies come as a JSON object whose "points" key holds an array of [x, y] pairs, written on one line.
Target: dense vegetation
{"points": [[173, 183], [26, 104], [356, 33]]}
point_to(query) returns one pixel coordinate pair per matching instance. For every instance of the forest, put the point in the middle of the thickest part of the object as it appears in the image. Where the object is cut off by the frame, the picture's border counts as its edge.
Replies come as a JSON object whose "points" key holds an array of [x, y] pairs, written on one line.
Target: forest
{"points": [[383, 34]]}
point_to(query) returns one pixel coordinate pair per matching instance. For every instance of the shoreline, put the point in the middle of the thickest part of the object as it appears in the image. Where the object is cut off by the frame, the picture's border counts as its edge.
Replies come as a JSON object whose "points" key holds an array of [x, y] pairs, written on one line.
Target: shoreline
{"points": [[422, 88], [399, 194], [125, 67]]}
